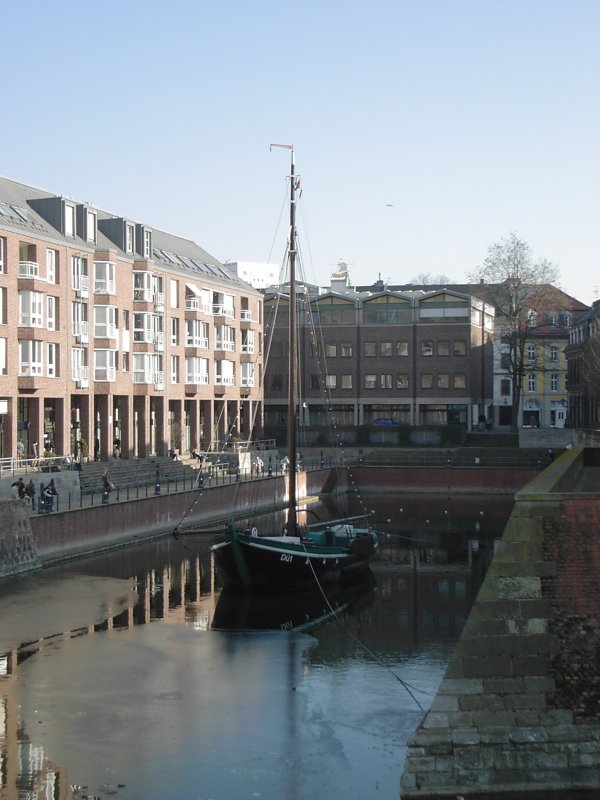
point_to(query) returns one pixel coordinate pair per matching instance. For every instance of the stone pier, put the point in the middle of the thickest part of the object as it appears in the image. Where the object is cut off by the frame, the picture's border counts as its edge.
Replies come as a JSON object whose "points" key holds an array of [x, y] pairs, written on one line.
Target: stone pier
{"points": [[518, 709], [17, 547]]}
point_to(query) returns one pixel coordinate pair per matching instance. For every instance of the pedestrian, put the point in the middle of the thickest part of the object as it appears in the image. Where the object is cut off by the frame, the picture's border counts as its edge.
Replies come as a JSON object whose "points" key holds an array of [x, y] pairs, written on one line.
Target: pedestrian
{"points": [[117, 447], [30, 492], [18, 488], [48, 494], [20, 453]]}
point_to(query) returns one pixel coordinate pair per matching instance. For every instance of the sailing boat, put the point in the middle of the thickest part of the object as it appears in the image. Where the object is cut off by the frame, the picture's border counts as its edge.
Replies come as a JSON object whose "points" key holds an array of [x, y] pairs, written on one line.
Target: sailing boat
{"points": [[304, 555]]}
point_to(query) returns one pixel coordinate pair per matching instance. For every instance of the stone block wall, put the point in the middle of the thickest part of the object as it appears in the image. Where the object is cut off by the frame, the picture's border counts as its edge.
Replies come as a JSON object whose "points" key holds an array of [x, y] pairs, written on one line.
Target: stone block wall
{"points": [[519, 706], [17, 547]]}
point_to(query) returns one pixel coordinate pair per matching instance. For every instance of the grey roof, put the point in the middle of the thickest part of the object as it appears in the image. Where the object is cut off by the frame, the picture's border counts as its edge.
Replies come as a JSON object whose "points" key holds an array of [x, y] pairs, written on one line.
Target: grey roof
{"points": [[173, 253]]}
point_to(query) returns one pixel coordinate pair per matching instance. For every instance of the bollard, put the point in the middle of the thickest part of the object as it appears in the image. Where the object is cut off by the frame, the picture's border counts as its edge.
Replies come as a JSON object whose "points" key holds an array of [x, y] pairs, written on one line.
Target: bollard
{"points": [[157, 483], [105, 496]]}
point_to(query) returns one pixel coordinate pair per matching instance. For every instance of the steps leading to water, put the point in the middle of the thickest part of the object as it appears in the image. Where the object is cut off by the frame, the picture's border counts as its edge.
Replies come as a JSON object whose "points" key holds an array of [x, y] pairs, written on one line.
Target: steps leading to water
{"points": [[134, 472]]}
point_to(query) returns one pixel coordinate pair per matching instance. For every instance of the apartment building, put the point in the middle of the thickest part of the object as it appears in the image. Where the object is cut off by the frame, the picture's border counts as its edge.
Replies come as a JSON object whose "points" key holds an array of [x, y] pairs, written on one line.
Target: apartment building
{"points": [[583, 367], [413, 356], [112, 331]]}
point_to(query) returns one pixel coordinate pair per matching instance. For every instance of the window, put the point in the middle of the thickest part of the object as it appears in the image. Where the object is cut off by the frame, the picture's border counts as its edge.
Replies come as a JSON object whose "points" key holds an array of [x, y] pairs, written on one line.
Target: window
{"points": [[224, 373], [370, 349], [553, 318], [402, 349], [104, 277], [196, 370], [443, 381], [90, 226], [174, 293], [346, 381], [247, 341], [142, 328], [52, 360], [174, 369], [2, 255], [505, 361], [459, 347], [79, 274], [51, 266], [531, 382], [426, 348], [51, 313], [426, 380], [31, 309], [175, 330], [505, 387], [385, 348], [105, 322], [330, 350], [142, 286], [147, 244], [196, 333], [79, 364], [401, 381], [531, 352], [370, 381], [385, 381], [69, 220], [225, 339], [330, 381], [129, 238], [554, 382], [31, 358], [105, 365], [125, 362], [554, 352], [3, 305], [566, 319], [79, 318], [443, 348], [459, 381], [346, 350], [3, 370], [247, 374]]}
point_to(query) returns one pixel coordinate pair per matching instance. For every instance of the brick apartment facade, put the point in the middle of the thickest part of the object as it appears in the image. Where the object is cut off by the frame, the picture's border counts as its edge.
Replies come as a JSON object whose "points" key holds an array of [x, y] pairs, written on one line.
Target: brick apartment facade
{"points": [[113, 330]]}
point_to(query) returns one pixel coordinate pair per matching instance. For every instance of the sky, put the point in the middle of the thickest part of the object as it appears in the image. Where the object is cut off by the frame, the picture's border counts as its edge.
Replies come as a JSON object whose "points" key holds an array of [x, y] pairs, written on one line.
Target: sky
{"points": [[424, 132]]}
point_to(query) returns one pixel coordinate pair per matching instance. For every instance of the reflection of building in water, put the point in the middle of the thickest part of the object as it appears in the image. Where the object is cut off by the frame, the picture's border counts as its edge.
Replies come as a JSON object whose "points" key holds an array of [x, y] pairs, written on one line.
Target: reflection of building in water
{"points": [[25, 772], [177, 593]]}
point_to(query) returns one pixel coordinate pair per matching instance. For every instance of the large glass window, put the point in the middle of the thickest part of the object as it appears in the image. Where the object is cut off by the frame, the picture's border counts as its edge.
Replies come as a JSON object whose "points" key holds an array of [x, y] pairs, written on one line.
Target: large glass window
{"points": [[104, 365], [105, 322], [31, 309], [31, 357]]}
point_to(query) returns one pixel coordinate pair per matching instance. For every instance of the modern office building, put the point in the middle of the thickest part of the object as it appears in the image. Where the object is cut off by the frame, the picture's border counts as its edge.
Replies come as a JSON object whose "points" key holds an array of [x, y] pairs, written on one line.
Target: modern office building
{"points": [[416, 357], [114, 331]]}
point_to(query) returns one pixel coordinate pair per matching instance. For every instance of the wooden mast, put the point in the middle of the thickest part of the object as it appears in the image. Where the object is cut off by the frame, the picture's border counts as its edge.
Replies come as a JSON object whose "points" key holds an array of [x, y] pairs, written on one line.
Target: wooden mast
{"points": [[293, 366]]}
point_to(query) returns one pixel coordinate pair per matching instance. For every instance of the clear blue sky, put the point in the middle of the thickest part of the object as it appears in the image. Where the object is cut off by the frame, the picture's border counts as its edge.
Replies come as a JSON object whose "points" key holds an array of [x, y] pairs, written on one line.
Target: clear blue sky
{"points": [[424, 131]]}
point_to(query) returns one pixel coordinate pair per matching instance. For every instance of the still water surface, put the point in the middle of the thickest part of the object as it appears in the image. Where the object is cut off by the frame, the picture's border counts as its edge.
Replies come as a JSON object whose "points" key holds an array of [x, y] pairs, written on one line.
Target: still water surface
{"points": [[131, 675]]}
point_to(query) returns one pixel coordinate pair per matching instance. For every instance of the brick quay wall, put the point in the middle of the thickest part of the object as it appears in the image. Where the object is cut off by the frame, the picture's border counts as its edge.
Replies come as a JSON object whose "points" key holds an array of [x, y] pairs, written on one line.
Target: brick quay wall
{"points": [[518, 709], [80, 531]]}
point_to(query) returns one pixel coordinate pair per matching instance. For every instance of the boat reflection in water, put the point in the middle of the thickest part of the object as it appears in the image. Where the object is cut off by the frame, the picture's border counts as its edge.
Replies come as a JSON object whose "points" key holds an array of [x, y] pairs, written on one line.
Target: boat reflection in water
{"points": [[238, 610]]}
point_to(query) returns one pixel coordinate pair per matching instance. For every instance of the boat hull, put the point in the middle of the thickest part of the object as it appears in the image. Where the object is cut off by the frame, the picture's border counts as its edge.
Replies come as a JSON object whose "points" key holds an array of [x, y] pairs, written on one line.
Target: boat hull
{"points": [[283, 563]]}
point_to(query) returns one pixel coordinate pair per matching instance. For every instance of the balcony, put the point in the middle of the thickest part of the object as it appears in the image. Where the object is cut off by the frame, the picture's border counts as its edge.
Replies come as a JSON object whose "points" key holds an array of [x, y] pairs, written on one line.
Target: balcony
{"points": [[105, 287], [159, 381], [81, 331], [159, 301], [159, 342], [220, 310], [81, 285], [225, 346], [81, 377], [29, 269]]}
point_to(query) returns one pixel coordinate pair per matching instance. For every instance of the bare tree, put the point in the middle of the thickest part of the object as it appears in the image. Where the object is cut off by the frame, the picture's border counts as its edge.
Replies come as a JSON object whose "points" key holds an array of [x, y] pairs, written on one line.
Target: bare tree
{"points": [[520, 288], [428, 279]]}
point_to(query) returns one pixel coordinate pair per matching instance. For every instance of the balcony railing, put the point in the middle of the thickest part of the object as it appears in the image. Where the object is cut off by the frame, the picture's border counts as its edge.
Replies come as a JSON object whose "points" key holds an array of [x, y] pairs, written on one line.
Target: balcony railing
{"points": [[224, 380], [220, 310], [227, 346], [81, 329], [199, 380], [105, 287], [29, 269]]}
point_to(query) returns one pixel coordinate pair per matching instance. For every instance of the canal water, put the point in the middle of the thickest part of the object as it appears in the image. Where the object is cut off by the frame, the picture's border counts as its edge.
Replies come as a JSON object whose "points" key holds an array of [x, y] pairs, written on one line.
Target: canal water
{"points": [[133, 675]]}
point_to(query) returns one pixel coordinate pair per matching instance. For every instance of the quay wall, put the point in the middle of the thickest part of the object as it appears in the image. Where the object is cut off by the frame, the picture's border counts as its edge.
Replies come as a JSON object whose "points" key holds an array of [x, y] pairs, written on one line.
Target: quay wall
{"points": [[80, 531], [518, 709]]}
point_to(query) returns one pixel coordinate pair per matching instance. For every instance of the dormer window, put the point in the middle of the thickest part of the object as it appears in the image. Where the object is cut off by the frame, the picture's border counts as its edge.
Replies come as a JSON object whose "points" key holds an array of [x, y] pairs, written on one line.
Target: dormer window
{"points": [[90, 226], [129, 238], [69, 220], [147, 244]]}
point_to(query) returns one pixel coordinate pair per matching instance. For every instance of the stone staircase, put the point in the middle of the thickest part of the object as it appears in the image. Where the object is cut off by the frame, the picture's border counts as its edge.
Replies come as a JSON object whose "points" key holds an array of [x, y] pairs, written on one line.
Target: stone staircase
{"points": [[136, 472]]}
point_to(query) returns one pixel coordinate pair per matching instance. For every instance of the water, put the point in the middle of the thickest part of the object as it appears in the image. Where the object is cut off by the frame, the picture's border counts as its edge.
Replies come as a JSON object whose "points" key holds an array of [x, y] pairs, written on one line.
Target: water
{"points": [[116, 682]]}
